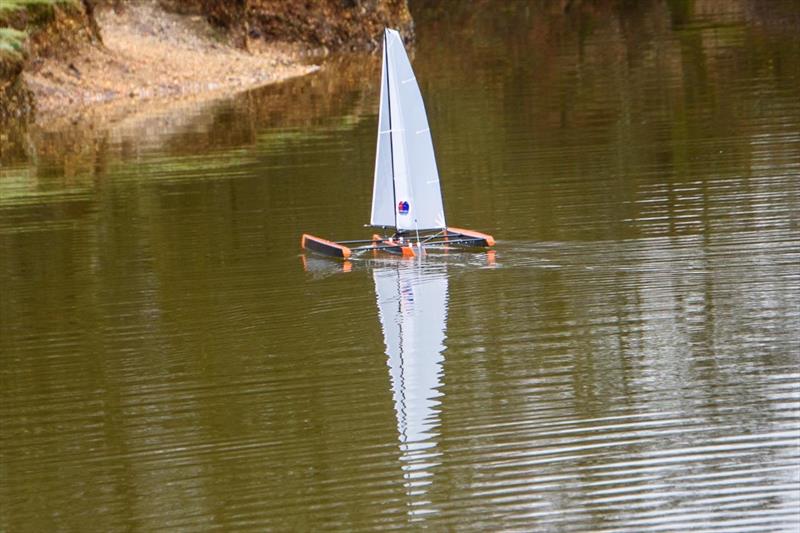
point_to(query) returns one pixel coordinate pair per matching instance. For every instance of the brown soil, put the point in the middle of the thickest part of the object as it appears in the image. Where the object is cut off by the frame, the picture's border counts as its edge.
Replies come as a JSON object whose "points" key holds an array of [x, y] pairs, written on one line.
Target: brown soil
{"points": [[150, 54], [329, 25]]}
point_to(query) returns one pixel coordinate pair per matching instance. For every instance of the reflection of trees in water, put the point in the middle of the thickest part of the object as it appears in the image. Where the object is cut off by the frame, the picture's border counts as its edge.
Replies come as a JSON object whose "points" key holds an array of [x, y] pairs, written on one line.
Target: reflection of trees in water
{"points": [[567, 66], [665, 89], [334, 97]]}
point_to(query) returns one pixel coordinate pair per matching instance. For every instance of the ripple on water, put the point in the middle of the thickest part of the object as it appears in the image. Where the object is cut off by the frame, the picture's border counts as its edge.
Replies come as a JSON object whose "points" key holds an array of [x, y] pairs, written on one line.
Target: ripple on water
{"points": [[626, 359]]}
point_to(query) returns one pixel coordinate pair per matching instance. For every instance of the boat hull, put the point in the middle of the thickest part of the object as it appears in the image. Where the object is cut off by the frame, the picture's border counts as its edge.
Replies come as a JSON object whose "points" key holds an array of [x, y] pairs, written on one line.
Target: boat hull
{"points": [[324, 246], [470, 237]]}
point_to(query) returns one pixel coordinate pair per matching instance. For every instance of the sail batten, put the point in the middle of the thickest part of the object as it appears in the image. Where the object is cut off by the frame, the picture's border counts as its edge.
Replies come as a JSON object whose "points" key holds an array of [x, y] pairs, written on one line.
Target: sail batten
{"points": [[406, 192]]}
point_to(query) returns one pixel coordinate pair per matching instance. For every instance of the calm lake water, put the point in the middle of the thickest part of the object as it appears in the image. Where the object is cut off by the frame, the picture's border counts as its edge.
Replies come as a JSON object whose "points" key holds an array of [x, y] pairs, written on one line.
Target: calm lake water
{"points": [[627, 359]]}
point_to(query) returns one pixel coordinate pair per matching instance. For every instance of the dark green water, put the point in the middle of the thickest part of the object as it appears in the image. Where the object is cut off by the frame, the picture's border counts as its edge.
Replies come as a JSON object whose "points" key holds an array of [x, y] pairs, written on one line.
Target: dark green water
{"points": [[628, 360]]}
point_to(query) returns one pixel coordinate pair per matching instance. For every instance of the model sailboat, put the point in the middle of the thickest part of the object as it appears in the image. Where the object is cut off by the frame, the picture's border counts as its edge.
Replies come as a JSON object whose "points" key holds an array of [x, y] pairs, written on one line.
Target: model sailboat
{"points": [[406, 196]]}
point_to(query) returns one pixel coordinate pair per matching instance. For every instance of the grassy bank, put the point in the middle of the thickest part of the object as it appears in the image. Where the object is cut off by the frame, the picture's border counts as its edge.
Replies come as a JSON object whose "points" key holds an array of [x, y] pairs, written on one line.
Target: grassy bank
{"points": [[24, 15], [11, 42]]}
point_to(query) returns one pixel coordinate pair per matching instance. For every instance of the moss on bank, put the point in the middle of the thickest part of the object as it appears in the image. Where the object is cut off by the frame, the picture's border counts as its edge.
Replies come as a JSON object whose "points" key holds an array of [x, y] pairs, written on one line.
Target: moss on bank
{"points": [[15, 98], [31, 30], [18, 18], [11, 42]]}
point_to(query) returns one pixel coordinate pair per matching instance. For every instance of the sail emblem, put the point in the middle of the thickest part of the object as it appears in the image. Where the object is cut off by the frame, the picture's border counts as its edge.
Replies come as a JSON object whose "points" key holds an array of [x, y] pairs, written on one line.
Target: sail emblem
{"points": [[402, 207]]}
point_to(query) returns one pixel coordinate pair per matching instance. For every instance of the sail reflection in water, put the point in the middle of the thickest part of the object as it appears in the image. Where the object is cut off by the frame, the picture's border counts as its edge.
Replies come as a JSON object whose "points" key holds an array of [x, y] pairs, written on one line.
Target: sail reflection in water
{"points": [[412, 305]]}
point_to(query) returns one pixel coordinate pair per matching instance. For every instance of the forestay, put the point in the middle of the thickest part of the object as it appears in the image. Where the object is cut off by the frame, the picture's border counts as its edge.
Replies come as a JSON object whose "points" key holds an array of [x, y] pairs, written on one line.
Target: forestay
{"points": [[406, 193]]}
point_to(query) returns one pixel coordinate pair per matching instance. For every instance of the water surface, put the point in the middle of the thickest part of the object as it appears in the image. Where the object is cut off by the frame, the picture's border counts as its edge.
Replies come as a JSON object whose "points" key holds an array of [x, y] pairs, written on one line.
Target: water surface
{"points": [[626, 360]]}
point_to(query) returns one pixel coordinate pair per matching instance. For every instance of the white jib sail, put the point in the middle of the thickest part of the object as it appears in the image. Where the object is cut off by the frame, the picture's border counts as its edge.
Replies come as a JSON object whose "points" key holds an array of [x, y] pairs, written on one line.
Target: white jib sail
{"points": [[383, 204], [405, 149]]}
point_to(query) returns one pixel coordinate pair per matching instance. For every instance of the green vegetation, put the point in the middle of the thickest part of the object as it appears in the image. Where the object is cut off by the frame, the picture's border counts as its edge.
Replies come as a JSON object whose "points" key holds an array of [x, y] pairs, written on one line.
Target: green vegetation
{"points": [[38, 11], [8, 5], [35, 11], [11, 41]]}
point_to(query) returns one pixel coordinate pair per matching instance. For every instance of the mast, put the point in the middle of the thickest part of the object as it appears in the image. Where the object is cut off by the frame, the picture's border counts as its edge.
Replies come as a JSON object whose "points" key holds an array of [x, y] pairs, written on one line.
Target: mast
{"points": [[389, 105]]}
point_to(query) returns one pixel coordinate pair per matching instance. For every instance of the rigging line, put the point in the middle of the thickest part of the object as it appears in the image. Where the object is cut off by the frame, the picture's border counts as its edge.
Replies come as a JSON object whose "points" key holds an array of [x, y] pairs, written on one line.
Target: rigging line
{"points": [[435, 235], [414, 204]]}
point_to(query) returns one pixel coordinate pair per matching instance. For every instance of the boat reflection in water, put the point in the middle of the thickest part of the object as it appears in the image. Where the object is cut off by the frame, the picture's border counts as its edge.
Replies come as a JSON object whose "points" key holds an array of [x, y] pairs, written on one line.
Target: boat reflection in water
{"points": [[412, 305], [320, 267]]}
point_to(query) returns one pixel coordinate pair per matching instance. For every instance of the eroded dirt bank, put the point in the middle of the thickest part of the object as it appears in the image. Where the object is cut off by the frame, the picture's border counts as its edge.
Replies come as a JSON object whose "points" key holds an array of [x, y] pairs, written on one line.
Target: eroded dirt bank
{"points": [[70, 58], [152, 54]]}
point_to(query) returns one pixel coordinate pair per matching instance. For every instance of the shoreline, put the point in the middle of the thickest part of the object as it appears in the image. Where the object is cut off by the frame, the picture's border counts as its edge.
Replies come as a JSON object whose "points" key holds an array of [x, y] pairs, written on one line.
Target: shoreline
{"points": [[150, 55]]}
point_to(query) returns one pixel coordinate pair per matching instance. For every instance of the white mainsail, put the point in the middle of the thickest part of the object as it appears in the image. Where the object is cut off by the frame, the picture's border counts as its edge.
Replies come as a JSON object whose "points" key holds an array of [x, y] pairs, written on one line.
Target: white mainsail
{"points": [[406, 193]]}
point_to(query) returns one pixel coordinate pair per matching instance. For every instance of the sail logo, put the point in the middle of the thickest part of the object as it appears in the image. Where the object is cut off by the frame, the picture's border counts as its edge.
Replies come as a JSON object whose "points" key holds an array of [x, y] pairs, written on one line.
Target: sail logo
{"points": [[402, 207]]}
